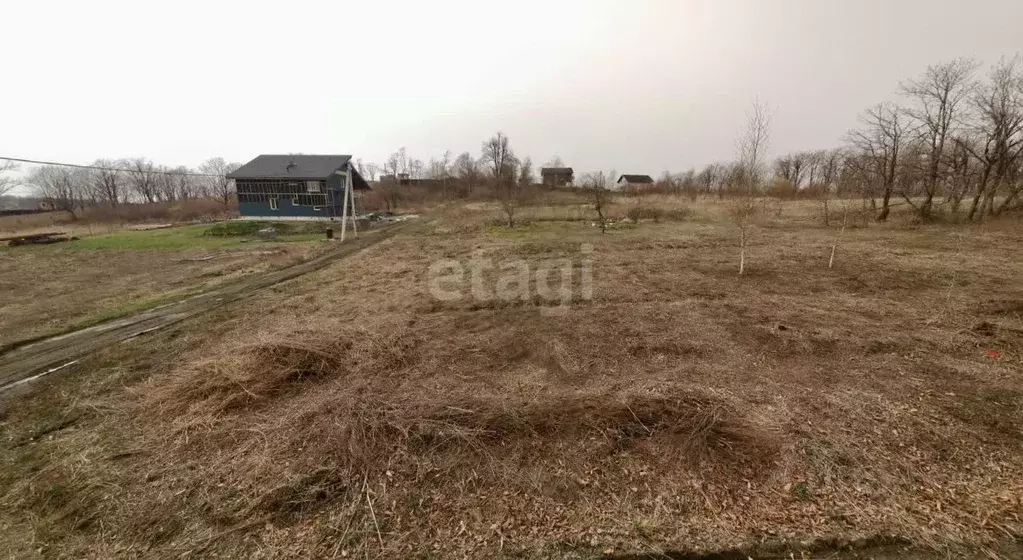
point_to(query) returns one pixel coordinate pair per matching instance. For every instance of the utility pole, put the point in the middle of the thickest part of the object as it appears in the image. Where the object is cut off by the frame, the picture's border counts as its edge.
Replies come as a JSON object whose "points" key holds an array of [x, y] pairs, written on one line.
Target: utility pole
{"points": [[344, 208]]}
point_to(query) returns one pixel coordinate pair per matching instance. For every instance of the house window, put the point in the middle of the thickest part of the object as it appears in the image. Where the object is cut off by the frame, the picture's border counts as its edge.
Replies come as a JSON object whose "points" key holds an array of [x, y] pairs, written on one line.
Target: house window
{"points": [[273, 203], [312, 186]]}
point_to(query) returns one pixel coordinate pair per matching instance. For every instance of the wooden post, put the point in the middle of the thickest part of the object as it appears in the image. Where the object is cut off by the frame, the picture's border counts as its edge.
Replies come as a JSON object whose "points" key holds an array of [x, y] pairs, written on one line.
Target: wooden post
{"points": [[344, 209], [355, 225]]}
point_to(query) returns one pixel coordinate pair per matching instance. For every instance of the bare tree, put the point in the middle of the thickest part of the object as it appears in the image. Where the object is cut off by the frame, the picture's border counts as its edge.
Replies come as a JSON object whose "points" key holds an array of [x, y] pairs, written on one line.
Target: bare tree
{"points": [[526, 177], [371, 171], [939, 97], [962, 172], [163, 184], [688, 185], [390, 193], [445, 171], [882, 139], [61, 186], [467, 170], [709, 177], [439, 170], [141, 176], [498, 156], [7, 181], [106, 182], [398, 162], [393, 165], [999, 107], [185, 186], [752, 146], [596, 185], [667, 182], [854, 176], [828, 169], [415, 168], [388, 188], [216, 170], [555, 162], [434, 169], [792, 168]]}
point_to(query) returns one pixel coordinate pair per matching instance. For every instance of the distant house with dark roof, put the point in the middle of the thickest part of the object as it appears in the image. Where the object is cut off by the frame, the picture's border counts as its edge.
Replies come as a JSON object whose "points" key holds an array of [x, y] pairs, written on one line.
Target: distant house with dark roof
{"points": [[634, 181], [556, 176], [295, 187]]}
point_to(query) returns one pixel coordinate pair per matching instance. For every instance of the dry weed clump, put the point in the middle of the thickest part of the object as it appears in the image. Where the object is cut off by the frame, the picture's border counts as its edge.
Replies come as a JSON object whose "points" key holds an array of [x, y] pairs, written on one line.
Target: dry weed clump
{"points": [[694, 427], [344, 397], [332, 411], [656, 214], [247, 374]]}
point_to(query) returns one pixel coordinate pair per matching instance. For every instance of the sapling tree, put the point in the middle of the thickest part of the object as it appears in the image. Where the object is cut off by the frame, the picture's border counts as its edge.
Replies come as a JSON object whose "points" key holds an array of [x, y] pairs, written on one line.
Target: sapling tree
{"points": [[752, 146], [596, 185], [841, 232]]}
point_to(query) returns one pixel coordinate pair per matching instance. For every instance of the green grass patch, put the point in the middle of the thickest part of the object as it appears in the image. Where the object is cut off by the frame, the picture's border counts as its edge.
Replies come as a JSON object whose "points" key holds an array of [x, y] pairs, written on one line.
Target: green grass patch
{"points": [[131, 308], [220, 235], [109, 314], [242, 229]]}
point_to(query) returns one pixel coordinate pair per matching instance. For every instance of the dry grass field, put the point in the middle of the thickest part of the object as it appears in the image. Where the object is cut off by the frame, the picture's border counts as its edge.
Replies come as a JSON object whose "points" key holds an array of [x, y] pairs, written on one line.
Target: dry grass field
{"points": [[876, 405], [49, 289]]}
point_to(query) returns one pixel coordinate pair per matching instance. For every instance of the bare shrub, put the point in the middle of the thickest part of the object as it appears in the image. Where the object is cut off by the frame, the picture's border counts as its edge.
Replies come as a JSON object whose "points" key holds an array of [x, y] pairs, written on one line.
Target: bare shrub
{"points": [[596, 185], [637, 213], [656, 214], [194, 209], [781, 188]]}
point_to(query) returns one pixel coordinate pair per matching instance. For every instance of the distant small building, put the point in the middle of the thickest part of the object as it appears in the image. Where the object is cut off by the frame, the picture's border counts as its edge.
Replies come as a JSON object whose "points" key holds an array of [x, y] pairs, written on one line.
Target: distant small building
{"points": [[556, 176], [634, 182], [295, 187]]}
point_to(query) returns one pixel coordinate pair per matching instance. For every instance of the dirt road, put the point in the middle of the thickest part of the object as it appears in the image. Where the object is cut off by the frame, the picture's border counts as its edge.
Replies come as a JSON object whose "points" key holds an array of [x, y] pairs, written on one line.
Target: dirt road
{"points": [[31, 361]]}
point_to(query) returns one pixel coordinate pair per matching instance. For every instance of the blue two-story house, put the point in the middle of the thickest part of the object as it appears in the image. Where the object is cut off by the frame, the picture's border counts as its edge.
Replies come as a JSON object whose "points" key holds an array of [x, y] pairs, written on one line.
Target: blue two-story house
{"points": [[295, 187]]}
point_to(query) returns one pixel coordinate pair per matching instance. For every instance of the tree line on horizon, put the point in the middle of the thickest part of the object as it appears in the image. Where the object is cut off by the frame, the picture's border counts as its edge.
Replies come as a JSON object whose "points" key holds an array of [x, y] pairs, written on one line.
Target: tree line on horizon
{"points": [[953, 140], [113, 183]]}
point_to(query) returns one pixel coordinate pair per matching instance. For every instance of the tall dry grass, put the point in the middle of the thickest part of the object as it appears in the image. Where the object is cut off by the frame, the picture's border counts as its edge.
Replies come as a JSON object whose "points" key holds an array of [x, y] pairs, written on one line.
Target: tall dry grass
{"points": [[95, 219]]}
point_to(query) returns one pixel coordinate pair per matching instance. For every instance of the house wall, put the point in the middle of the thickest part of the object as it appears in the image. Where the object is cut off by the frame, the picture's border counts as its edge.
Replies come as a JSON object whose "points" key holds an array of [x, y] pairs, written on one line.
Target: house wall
{"points": [[335, 193], [555, 180], [292, 196], [285, 208]]}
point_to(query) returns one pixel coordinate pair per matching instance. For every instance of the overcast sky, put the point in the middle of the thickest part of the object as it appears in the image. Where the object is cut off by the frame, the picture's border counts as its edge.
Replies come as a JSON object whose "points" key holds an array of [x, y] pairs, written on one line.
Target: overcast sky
{"points": [[639, 86]]}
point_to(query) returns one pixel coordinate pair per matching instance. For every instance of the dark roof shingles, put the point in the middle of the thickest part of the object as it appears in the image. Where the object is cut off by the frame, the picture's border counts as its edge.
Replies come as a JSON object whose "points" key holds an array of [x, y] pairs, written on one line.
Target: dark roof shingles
{"points": [[636, 179], [277, 166]]}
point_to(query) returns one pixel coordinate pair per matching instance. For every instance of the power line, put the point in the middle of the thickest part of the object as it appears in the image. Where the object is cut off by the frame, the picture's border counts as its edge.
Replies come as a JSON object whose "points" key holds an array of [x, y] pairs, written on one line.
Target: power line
{"points": [[100, 168]]}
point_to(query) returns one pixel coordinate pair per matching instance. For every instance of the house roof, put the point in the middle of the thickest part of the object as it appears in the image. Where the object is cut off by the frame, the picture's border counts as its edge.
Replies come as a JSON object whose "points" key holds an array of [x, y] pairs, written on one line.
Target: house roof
{"points": [[280, 166], [636, 179], [555, 170]]}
